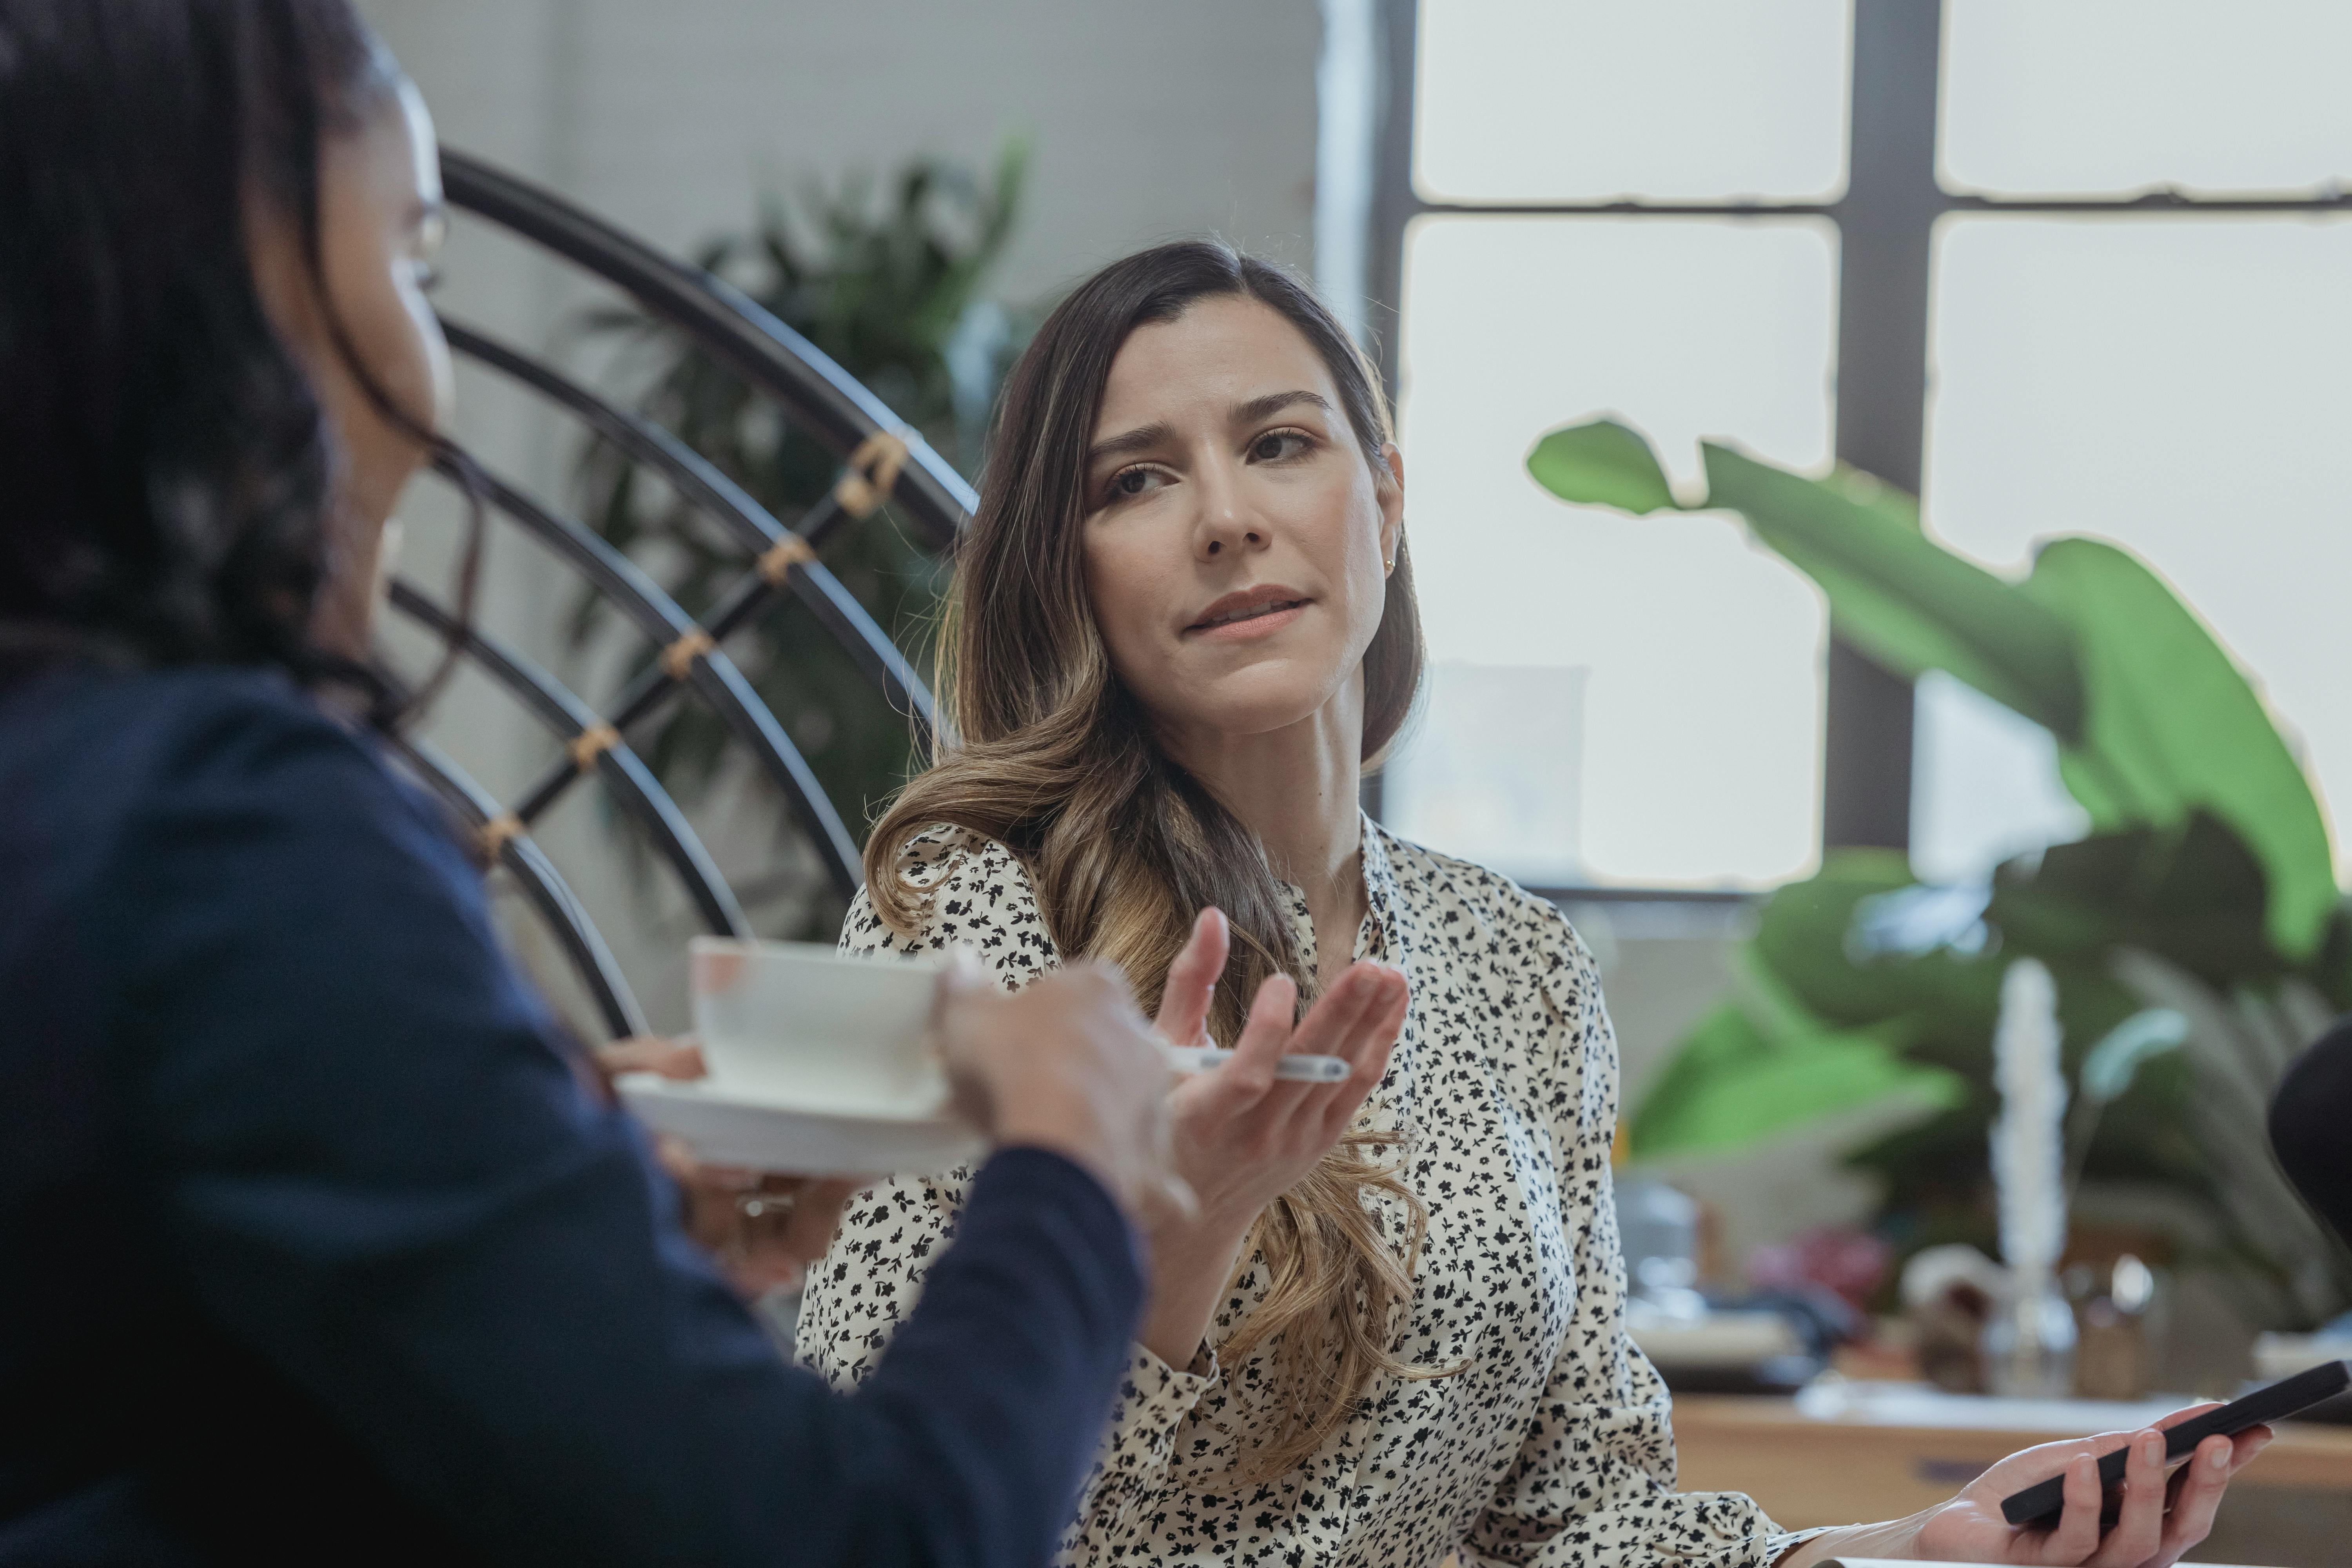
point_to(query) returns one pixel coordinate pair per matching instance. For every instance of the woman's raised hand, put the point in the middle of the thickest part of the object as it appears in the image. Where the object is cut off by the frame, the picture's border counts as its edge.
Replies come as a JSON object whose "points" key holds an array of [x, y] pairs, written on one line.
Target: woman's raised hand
{"points": [[1243, 1137]]}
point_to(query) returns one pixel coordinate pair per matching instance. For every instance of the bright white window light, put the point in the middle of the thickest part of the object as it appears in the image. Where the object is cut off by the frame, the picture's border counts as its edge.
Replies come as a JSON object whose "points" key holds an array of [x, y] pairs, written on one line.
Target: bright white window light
{"points": [[1668, 100], [1702, 712], [2081, 97], [1497, 770], [2183, 387], [1986, 784]]}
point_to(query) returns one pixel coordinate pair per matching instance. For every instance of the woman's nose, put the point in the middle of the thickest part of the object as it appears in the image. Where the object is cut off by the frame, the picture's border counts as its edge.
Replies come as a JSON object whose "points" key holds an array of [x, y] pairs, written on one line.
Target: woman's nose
{"points": [[1226, 522], [1216, 541]]}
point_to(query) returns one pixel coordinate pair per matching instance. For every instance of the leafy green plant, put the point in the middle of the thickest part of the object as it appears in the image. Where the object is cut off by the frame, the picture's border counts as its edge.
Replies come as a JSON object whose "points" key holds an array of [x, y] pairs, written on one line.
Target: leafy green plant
{"points": [[891, 284], [2197, 933]]}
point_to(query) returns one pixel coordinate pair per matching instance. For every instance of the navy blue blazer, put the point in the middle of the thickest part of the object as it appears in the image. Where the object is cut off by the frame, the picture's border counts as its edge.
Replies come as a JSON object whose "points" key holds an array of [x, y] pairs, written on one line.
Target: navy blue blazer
{"points": [[313, 1247]]}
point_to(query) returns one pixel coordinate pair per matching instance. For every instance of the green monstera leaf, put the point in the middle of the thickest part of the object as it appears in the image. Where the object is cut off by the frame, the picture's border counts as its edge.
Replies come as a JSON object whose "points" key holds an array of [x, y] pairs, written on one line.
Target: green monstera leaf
{"points": [[2174, 726], [2153, 720], [2194, 895], [2208, 848], [1733, 1085], [1807, 936], [1895, 594], [1892, 593], [1602, 463]]}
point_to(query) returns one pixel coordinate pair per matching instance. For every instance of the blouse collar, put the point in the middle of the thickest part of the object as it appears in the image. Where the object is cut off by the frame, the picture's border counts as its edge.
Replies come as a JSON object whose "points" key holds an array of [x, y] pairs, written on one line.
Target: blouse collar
{"points": [[1384, 906]]}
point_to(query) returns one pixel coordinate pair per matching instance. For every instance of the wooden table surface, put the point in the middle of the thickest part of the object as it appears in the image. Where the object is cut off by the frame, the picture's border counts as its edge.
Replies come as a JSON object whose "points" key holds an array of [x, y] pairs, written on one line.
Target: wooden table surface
{"points": [[1836, 1469]]}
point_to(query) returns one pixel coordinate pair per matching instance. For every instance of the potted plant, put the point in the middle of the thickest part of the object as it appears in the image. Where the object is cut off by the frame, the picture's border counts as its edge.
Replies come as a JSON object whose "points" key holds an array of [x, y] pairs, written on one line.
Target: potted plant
{"points": [[2196, 933]]}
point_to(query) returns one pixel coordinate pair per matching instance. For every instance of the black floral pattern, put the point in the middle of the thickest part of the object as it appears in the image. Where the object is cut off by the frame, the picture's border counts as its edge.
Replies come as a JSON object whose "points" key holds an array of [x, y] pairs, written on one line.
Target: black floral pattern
{"points": [[1551, 1449]]}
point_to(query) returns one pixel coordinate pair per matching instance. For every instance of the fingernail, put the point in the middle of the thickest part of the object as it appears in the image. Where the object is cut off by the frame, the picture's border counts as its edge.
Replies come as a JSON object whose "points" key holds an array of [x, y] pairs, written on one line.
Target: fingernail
{"points": [[2220, 1459], [2151, 1447]]}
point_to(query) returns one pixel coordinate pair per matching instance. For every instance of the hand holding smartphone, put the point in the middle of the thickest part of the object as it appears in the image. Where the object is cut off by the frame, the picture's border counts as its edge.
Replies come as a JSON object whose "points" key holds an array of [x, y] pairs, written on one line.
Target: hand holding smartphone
{"points": [[2041, 1504]]}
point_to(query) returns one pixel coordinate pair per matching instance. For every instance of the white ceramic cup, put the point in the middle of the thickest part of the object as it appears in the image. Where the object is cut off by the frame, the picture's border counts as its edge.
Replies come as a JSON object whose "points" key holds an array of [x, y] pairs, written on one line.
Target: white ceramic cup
{"points": [[798, 1025]]}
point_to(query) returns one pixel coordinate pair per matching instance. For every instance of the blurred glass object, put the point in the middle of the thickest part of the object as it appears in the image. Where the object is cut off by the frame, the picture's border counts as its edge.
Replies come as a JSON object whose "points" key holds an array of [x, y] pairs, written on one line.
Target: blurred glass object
{"points": [[2029, 1344], [1702, 734], [1492, 771], [1668, 100], [1657, 1227], [2114, 1357], [2097, 97], [2131, 1285], [2182, 386]]}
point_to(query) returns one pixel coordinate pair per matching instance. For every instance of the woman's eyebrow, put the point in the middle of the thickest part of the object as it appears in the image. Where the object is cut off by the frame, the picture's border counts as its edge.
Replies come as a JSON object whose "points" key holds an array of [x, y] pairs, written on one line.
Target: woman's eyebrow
{"points": [[1135, 440], [1258, 408]]}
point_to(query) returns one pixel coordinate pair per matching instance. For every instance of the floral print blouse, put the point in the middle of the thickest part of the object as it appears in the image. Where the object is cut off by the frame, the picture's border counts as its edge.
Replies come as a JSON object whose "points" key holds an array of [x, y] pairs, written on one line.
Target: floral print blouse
{"points": [[1552, 1449]]}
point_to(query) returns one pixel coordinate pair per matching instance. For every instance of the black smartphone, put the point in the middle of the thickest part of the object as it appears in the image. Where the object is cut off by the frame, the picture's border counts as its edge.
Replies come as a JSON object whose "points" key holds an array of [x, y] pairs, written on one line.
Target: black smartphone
{"points": [[2042, 1502]]}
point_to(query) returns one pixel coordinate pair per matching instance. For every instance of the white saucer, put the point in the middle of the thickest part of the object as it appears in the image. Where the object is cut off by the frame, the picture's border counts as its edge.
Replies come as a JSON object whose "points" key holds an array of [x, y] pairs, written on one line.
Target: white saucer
{"points": [[761, 1135]]}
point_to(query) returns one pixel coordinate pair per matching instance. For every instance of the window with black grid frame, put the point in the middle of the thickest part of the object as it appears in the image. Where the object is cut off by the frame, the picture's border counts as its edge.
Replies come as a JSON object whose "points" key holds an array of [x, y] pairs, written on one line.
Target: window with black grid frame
{"points": [[2061, 267]]}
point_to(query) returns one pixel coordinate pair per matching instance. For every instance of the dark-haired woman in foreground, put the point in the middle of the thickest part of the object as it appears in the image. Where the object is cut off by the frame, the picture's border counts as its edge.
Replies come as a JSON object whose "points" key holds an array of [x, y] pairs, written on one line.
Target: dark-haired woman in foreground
{"points": [[1183, 624], [313, 1246]]}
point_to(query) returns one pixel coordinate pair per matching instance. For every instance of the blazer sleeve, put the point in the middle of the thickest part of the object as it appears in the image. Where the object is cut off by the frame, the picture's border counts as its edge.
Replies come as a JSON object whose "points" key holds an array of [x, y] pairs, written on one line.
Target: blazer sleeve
{"points": [[373, 1166], [1592, 1485], [883, 1261]]}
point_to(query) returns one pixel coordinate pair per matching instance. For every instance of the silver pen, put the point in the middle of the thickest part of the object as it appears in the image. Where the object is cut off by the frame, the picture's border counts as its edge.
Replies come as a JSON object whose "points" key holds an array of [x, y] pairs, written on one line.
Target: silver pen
{"points": [[1294, 1069]]}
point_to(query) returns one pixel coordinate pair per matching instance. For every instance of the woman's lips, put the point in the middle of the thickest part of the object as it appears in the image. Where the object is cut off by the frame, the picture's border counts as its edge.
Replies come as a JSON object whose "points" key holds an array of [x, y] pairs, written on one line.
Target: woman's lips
{"points": [[1261, 622]]}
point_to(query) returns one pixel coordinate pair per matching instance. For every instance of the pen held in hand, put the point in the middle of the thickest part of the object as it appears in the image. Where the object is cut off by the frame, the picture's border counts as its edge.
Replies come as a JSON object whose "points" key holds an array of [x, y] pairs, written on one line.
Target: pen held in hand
{"points": [[1295, 1069]]}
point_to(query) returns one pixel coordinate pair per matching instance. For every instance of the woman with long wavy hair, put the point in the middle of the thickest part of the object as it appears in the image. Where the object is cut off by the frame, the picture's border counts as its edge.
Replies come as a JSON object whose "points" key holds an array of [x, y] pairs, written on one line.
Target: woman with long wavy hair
{"points": [[1182, 627]]}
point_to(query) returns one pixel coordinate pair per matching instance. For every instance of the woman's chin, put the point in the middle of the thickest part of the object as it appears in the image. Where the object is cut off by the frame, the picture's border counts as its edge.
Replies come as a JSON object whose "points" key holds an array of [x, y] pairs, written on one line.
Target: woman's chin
{"points": [[1241, 708]]}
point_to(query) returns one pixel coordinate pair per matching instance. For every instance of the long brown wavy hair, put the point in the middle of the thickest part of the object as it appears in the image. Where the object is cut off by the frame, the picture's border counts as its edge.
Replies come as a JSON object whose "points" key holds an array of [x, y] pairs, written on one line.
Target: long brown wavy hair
{"points": [[1054, 758]]}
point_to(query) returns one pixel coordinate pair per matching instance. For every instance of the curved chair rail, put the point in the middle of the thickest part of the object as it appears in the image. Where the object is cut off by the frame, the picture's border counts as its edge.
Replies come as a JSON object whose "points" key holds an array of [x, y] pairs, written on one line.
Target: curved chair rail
{"points": [[826, 399], [883, 461]]}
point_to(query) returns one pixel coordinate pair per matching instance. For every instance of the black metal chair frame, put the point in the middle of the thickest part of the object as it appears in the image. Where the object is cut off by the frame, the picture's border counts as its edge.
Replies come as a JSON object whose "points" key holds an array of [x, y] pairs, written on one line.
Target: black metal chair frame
{"points": [[883, 461]]}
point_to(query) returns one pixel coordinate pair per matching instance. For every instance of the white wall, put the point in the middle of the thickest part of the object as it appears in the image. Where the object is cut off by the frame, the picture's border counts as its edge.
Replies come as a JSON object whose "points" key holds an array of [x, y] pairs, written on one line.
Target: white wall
{"points": [[1148, 121]]}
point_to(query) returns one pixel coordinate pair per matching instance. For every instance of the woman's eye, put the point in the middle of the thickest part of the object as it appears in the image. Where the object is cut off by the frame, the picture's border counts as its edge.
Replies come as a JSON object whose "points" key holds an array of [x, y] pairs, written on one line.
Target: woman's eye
{"points": [[1131, 482], [1276, 445]]}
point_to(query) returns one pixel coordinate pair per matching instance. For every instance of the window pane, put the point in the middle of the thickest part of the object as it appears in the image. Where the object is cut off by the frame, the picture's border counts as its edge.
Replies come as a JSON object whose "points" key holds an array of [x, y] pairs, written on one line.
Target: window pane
{"points": [[2183, 387], [1986, 784], [1673, 100], [1701, 728], [1497, 770], [2097, 95]]}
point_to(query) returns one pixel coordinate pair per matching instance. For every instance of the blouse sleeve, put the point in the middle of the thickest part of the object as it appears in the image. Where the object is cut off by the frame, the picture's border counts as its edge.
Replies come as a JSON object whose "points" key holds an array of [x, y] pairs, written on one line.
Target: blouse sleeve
{"points": [[1593, 1483], [979, 897]]}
